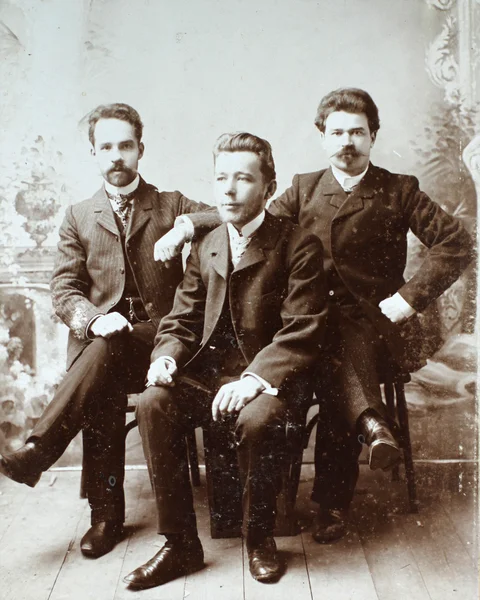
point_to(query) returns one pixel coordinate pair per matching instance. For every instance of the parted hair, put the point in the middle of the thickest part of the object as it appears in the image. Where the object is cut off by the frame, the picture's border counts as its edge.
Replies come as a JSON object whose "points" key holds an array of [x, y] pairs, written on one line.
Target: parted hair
{"points": [[118, 110], [350, 100], [247, 142]]}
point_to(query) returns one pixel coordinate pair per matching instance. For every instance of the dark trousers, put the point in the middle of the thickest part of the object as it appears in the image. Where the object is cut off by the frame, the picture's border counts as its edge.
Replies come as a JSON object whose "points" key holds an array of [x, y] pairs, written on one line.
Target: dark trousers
{"points": [[92, 397], [258, 433], [348, 383]]}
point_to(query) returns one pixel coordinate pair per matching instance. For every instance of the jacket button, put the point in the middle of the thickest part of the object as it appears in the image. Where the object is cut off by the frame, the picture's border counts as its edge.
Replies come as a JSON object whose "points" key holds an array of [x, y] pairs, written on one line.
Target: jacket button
{"points": [[122, 270], [331, 293], [149, 306]]}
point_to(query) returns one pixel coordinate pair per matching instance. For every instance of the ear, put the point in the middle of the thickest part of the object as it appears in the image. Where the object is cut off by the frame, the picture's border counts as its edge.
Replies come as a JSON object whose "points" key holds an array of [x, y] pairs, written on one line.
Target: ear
{"points": [[271, 189], [141, 150], [92, 151], [373, 137]]}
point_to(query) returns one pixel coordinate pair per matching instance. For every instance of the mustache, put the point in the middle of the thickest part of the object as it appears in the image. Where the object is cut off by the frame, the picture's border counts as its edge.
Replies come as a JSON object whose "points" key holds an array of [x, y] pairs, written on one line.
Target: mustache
{"points": [[118, 167], [348, 151]]}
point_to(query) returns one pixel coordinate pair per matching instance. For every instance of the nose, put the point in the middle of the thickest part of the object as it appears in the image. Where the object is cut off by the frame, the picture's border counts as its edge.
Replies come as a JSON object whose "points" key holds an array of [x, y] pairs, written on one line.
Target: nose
{"points": [[346, 138], [115, 154], [230, 187]]}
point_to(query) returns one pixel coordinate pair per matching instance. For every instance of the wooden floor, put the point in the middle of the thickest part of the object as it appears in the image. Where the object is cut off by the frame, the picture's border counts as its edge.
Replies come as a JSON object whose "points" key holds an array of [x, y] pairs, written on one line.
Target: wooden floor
{"points": [[387, 555]]}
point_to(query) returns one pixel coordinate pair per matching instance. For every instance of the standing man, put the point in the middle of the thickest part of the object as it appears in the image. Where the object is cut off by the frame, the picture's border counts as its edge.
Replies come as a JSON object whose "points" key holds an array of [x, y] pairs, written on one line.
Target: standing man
{"points": [[362, 215], [247, 322], [111, 294]]}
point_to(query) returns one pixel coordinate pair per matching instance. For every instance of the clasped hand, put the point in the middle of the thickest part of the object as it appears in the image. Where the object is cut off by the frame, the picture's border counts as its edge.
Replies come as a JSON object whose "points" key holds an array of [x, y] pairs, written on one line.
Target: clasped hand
{"points": [[111, 324]]}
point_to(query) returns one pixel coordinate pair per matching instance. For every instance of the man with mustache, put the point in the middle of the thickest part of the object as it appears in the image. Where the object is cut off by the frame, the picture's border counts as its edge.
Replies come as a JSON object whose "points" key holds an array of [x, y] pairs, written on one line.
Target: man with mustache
{"points": [[362, 214], [111, 294]]}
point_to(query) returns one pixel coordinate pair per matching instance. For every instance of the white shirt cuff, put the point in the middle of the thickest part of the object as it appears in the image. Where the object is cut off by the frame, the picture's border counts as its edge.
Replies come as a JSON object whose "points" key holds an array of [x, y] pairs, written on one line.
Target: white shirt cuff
{"points": [[88, 333], [402, 305], [268, 388], [187, 224]]}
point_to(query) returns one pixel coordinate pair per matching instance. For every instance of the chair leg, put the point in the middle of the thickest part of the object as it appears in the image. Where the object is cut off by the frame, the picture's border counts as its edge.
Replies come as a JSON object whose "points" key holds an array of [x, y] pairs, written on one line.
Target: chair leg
{"points": [[193, 457], [390, 402], [407, 446]]}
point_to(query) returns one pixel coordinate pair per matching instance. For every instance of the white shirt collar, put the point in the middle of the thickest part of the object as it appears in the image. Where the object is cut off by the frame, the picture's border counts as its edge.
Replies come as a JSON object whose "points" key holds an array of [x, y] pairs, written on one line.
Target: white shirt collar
{"points": [[346, 181], [247, 230], [128, 189]]}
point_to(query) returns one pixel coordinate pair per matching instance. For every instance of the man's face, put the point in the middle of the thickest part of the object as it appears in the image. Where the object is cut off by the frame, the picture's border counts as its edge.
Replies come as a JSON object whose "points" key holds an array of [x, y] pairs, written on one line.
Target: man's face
{"points": [[347, 141], [240, 188], [117, 151]]}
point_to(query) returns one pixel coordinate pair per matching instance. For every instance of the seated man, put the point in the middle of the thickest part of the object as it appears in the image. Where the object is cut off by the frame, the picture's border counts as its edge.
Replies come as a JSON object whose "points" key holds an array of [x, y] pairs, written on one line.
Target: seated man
{"points": [[362, 214], [247, 321], [105, 288]]}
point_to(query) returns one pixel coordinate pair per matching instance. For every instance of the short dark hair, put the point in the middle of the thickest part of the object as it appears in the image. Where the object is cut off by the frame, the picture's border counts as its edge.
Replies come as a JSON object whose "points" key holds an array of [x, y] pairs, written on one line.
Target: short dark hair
{"points": [[247, 142], [351, 100], [120, 111]]}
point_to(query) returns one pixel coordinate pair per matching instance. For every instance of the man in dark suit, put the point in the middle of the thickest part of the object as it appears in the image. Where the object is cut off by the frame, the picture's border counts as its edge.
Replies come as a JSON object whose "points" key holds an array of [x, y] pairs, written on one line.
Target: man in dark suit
{"points": [[247, 322], [362, 215], [111, 294]]}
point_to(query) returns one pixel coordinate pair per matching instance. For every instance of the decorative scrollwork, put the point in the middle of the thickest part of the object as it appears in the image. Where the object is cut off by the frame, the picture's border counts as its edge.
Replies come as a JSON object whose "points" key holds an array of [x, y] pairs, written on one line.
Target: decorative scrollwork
{"points": [[441, 64], [441, 4]]}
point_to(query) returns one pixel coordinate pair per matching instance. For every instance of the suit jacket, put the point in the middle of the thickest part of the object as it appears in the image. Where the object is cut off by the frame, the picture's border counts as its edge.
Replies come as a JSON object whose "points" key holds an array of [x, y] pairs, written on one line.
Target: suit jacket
{"points": [[89, 273], [368, 241], [369, 233], [276, 296]]}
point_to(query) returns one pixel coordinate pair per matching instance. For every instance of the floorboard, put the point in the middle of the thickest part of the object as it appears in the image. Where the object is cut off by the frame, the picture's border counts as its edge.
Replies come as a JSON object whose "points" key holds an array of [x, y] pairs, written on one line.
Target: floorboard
{"points": [[34, 550], [388, 554], [222, 577], [93, 579]]}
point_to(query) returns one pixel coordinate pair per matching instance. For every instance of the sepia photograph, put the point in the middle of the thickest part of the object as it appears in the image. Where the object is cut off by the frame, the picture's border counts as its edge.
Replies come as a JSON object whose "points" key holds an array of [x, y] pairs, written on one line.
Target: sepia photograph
{"points": [[238, 299]]}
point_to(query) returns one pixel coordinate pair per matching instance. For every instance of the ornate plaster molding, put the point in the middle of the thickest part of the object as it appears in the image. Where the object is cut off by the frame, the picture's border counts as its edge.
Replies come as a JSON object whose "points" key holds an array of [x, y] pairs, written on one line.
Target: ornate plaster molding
{"points": [[441, 63], [442, 4]]}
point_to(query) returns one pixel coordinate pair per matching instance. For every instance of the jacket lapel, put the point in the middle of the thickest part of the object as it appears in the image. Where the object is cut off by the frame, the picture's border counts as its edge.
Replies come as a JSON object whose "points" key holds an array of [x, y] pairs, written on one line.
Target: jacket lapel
{"points": [[142, 206], [220, 251], [355, 201], [101, 206], [263, 239]]}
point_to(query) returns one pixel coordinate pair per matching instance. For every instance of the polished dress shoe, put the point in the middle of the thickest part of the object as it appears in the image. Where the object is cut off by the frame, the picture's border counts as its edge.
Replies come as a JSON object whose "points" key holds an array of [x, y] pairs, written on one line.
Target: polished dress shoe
{"points": [[384, 450], [263, 560], [22, 465], [329, 525], [175, 559], [101, 538]]}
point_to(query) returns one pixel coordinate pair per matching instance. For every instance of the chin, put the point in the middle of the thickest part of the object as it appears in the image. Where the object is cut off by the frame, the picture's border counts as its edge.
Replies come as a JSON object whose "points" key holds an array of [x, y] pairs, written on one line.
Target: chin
{"points": [[120, 179]]}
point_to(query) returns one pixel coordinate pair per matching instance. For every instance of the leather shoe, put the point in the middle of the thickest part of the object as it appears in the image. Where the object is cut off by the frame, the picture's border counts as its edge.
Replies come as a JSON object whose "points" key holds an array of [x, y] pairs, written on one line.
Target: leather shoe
{"points": [[329, 525], [22, 465], [175, 559], [384, 450], [263, 560], [101, 538]]}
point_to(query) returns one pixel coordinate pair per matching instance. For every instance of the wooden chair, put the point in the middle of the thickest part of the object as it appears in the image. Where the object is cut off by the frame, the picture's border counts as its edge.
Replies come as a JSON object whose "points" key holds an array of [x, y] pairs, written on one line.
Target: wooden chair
{"points": [[396, 404]]}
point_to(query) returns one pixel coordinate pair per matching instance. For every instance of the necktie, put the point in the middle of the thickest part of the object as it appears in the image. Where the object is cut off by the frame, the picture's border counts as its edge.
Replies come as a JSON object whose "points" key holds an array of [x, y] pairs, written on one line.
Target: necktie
{"points": [[122, 205], [238, 246]]}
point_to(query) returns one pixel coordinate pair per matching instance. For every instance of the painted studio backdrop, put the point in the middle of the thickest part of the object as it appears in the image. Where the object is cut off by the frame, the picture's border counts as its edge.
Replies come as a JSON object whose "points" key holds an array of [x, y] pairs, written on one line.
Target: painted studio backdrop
{"points": [[196, 69]]}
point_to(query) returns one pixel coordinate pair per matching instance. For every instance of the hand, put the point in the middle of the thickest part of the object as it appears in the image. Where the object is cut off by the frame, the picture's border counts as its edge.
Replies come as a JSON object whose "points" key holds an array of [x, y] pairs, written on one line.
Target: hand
{"points": [[161, 372], [171, 244], [396, 308], [111, 324], [232, 397]]}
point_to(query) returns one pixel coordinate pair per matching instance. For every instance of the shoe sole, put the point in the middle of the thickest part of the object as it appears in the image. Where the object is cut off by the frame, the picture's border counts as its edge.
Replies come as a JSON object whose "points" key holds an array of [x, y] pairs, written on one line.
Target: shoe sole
{"points": [[384, 456], [187, 571], [31, 481]]}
